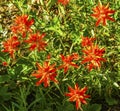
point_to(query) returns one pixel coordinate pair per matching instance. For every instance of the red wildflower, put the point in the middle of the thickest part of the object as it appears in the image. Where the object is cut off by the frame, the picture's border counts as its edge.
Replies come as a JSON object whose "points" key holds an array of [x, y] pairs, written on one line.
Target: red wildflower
{"points": [[22, 25], [77, 95], [67, 61], [10, 45], [46, 73], [4, 63], [36, 41], [86, 41], [102, 14], [48, 56], [64, 2], [93, 56]]}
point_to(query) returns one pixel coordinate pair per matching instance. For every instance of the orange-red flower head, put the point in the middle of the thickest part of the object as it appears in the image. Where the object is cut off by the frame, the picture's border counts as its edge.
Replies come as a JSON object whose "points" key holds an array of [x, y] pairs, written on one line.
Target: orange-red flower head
{"points": [[102, 14], [77, 95], [64, 2], [36, 41], [93, 56], [45, 73], [10, 45], [22, 25], [68, 61], [86, 41], [4, 63]]}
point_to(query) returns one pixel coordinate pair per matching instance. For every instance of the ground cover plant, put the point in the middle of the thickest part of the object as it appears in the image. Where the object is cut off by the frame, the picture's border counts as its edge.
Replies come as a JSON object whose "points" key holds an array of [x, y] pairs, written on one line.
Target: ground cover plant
{"points": [[59, 55]]}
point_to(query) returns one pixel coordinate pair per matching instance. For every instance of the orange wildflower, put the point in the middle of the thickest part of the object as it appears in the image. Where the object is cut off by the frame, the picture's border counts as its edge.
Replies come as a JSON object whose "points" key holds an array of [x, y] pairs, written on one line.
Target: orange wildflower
{"points": [[77, 95], [86, 41], [93, 56], [22, 25], [10, 45], [102, 13], [4, 63], [67, 61], [36, 41], [45, 73], [64, 2]]}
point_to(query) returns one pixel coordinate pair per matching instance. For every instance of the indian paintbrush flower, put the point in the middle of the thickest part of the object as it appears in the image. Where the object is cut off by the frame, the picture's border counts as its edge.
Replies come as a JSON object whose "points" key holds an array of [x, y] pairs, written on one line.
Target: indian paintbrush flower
{"points": [[77, 95], [4, 63], [86, 41], [93, 56], [36, 41], [68, 61], [22, 25], [102, 14], [45, 73], [10, 45]]}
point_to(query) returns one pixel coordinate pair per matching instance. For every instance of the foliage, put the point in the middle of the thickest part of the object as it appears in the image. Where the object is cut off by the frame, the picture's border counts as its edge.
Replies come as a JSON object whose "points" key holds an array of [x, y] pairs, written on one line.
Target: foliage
{"points": [[56, 45]]}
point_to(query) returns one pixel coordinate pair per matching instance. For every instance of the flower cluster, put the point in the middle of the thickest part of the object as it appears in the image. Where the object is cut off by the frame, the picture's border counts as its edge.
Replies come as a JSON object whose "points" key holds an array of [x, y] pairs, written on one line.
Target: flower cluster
{"points": [[46, 72], [102, 14], [86, 41], [67, 61], [92, 53], [10, 45], [36, 41], [77, 95], [21, 28], [22, 25]]}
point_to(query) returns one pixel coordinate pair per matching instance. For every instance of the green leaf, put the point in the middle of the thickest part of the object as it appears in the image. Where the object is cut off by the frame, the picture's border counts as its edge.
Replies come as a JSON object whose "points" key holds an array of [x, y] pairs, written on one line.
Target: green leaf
{"points": [[4, 94], [50, 3], [59, 31], [116, 85], [69, 107], [62, 9], [95, 107], [111, 101], [18, 69], [4, 78], [1, 28]]}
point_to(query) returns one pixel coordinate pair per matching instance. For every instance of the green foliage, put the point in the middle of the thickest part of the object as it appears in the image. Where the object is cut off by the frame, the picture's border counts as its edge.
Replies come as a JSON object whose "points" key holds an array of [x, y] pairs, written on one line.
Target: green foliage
{"points": [[64, 27], [93, 107]]}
